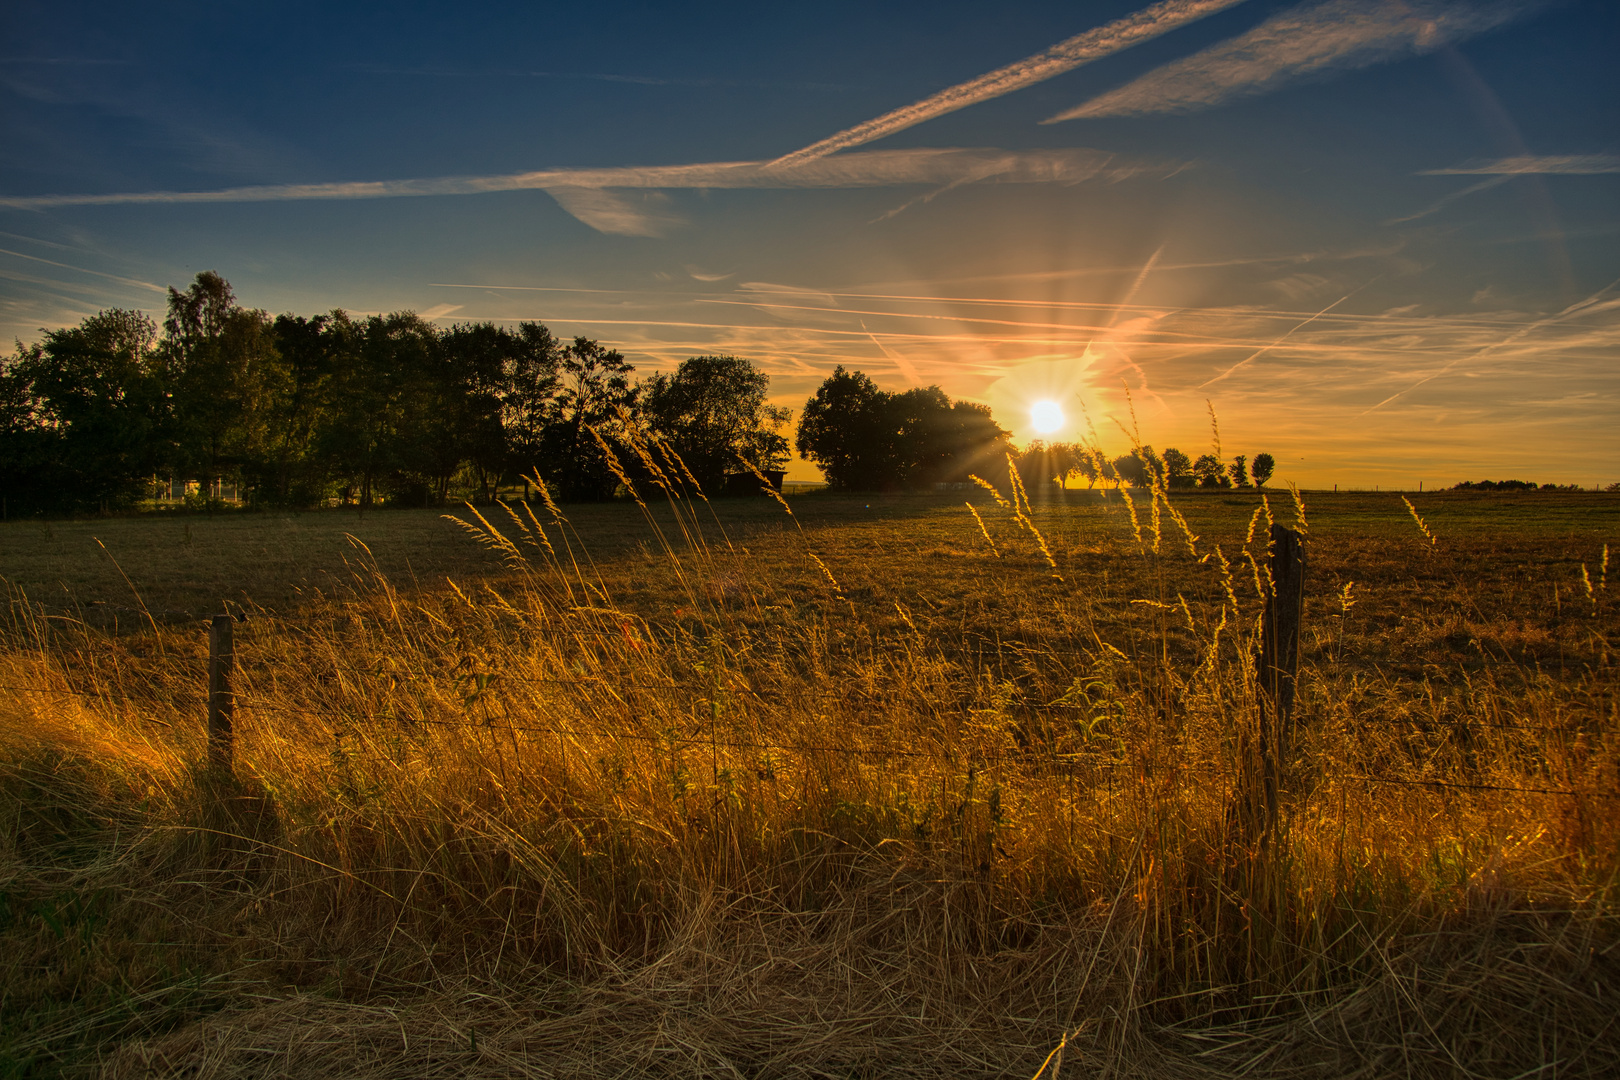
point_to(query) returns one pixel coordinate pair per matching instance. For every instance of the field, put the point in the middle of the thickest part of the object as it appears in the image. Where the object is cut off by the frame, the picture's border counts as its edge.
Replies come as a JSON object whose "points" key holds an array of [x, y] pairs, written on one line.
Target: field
{"points": [[879, 787]]}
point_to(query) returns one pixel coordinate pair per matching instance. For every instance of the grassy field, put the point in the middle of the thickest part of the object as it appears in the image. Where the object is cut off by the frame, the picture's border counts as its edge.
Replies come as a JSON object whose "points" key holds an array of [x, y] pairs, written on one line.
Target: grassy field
{"points": [[883, 786]]}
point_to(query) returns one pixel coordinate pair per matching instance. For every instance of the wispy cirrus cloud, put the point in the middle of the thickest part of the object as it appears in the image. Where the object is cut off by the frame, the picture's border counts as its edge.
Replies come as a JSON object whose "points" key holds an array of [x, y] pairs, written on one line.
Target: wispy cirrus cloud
{"points": [[1150, 22], [580, 76], [1535, 165], [600, 199], [1501, 170], [1310, 40]]}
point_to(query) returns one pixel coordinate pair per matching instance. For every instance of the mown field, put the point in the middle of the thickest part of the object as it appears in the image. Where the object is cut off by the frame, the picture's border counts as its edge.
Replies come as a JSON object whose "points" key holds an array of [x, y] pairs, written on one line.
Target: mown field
{"points": [[883, 786]]}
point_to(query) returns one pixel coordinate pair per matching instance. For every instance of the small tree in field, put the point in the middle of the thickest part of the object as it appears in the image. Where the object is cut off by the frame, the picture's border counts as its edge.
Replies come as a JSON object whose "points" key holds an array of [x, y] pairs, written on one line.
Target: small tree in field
{"points": [[1263, 465], [1178, 469], [1240, 470], [1210, 472]]}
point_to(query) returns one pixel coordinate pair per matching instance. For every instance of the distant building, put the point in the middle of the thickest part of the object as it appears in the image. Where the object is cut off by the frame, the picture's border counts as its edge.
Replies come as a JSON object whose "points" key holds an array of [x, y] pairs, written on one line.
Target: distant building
{"points": [[746, 483]]}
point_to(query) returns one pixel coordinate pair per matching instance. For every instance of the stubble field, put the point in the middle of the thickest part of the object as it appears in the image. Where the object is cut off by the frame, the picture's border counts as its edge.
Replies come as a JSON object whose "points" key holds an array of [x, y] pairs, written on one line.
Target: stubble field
{"points": [[883, 786]]}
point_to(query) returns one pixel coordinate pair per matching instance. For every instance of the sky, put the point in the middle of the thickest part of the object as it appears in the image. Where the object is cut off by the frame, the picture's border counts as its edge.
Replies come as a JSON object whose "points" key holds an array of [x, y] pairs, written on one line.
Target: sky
{"points": [[1377, 239]]}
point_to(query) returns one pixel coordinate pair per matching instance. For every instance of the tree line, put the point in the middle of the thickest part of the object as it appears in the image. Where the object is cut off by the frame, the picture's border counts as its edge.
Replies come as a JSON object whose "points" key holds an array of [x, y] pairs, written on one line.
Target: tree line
{"points": [[298, 411], [303, 411], [1044, 463]]}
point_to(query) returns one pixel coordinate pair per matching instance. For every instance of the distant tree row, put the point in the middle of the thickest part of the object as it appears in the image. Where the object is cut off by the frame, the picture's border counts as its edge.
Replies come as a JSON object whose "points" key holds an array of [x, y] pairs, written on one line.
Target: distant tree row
{"points": [[296, 411], [1519, 485], [1042, 464]]}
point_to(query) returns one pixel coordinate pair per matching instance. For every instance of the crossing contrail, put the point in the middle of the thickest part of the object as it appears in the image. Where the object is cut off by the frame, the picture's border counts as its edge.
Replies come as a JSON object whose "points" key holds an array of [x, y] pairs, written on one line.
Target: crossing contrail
{"points": [[1121, 34]]}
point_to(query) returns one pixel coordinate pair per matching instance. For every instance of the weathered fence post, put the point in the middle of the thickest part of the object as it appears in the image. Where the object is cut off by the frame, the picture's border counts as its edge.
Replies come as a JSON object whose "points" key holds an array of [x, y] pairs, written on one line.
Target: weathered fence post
{"points": [[1279, 661], [221, 701]]}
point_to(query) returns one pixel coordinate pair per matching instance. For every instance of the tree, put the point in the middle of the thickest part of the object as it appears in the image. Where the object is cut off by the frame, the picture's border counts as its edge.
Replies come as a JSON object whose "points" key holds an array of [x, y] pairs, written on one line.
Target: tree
{"points": [[294, 473], [382, 395], [1210, 472], [1081, 461], [1131, 469], [948, 446], [1178, 469], [1263, 466], [529, 394], [1040, 465], [712, 412], [594, 395], [1240, 471], [83, 414], [225, 375], [474, 383], [865, 438], [840, 430]]}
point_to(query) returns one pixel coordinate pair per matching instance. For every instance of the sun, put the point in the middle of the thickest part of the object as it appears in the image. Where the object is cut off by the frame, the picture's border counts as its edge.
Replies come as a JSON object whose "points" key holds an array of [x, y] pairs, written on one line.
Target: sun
{"points": [[1046, 416]]}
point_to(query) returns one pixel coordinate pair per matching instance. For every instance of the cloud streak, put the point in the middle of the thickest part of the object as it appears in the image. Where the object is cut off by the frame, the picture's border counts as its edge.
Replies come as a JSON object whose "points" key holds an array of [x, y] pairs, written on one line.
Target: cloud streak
{"points": [[584, 76], [598, 197], [1313, 39], [1536, 165], [135, 282], [1067, 55]]}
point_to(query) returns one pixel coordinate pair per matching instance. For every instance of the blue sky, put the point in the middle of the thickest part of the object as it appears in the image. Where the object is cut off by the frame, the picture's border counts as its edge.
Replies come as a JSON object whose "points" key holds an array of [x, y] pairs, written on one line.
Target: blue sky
{"points": [[1382, 238]]}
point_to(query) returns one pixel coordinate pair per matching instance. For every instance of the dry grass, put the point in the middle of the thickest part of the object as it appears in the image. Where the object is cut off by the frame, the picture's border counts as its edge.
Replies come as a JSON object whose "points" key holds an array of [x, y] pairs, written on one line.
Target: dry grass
{"points": [[764, 802]]}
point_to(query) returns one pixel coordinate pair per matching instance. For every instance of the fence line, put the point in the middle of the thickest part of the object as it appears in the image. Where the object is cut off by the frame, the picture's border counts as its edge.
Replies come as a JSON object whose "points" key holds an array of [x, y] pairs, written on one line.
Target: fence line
{"points": [[883, 752], [774, 699], [1277, 663], [886, 752]]}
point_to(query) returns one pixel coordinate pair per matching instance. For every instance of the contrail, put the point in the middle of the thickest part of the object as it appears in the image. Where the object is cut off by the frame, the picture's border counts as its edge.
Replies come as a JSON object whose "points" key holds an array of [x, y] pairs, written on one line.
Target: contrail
{"points": [[1573, 309], [1279, 341], [1531, 164], [1146, 24], [81, 270], [1298, 42]]}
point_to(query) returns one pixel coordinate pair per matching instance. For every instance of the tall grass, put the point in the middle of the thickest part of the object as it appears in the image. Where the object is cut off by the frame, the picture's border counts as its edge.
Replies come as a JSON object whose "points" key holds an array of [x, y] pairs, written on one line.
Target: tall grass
{"points": [[780, 830]]}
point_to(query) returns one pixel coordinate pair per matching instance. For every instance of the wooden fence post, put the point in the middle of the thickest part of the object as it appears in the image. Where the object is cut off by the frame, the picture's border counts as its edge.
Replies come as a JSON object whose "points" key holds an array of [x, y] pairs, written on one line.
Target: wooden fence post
{"points": [[1279, 661], [221, 701]]}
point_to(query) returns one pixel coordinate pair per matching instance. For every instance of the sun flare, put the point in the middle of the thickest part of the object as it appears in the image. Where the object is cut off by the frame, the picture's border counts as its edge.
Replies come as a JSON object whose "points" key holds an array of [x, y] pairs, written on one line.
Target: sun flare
{"points": [[1046, 416]]}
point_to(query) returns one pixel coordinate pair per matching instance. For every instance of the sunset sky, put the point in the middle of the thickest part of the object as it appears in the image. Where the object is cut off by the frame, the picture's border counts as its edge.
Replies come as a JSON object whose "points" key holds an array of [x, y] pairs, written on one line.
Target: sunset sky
{"points": [[1381, 237]]}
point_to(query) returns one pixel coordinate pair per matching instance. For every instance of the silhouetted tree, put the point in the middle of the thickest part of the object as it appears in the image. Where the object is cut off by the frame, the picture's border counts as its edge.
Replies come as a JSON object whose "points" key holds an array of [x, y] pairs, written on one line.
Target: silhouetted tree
{"points": [[1083, 462], [865, 438], [841, 430], [380, 386], [1178, 469], [1131, 470], [1210, 472], [1263, 465], [1240, 471], [1041, 466], [594, 394], [225, 376], [712, 412], [293, 472], [83, 415], [474, 376], [529, 394]]}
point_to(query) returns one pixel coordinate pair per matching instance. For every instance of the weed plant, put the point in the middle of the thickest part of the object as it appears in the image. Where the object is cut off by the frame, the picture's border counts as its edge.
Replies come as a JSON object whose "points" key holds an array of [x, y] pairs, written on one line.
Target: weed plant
{"points": [[523, 828]]}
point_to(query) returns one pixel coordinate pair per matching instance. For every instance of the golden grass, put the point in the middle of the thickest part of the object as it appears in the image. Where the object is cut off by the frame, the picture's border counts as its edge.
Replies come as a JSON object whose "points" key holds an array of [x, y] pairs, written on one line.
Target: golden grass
{"points": [[770, 819]]}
